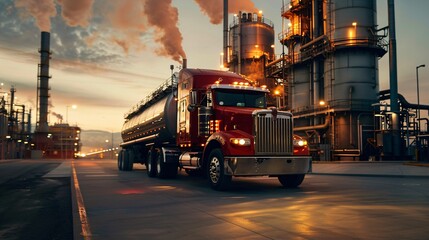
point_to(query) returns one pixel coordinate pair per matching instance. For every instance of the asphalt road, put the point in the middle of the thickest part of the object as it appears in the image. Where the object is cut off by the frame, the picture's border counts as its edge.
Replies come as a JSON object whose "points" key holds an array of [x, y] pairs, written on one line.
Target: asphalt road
{"points": [[129, 205], [31, 206]]}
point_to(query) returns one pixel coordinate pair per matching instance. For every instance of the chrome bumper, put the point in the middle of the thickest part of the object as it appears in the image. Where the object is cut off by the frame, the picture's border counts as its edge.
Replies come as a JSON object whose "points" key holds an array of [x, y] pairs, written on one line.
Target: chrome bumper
{"points": [[267, 165]]}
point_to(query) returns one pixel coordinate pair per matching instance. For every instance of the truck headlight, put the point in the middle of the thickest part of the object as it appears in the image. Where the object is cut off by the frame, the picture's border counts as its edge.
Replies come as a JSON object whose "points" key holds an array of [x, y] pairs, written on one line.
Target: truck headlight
{"points": [[299, 142], [240, 141]]}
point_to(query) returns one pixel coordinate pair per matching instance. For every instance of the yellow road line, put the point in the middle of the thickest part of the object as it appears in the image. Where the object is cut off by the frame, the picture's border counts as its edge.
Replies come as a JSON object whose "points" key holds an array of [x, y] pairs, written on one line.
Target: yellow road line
{"points": [[86, 231]]}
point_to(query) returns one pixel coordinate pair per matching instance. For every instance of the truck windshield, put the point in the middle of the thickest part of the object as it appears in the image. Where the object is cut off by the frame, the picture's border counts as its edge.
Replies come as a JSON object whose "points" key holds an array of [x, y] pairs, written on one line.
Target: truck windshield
{"points": [[251, 99]]}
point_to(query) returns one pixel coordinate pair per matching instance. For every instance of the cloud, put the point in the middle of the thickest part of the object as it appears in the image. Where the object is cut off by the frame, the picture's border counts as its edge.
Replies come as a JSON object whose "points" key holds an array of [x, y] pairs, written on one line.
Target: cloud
{"points": [[76, 12], [98, 31]]}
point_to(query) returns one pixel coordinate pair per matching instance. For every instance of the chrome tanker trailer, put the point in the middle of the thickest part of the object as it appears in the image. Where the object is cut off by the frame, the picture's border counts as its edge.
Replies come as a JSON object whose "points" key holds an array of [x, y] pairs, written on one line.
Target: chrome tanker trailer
{"points": [[214, 123]]}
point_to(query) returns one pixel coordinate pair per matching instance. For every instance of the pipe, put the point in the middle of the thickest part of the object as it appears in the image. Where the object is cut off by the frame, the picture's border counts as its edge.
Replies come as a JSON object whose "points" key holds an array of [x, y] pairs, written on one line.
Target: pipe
{"points": [[225, 33], [385, 94], [315, 127], [350, 116], [394, 105], [12, 98], [239, 46], [314, 41], [29, 121], [316, 27]]}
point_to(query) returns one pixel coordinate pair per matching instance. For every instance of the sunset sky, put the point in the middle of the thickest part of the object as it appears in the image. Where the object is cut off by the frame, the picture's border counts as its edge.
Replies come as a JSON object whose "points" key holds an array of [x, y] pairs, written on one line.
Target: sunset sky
{"points": [[108, 54]]}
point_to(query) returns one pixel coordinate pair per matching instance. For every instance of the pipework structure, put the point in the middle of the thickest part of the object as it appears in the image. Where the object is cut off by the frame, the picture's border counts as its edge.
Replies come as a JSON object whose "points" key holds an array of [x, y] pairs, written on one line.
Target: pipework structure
{"points": [[331, 73], [15, 127]]}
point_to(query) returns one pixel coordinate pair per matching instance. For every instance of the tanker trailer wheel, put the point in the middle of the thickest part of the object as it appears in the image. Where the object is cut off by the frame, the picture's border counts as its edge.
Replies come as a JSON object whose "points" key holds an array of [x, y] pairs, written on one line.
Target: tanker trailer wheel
{"points": [[128, 160], [161, 166], [215, 171], [151, 164], [291, 181], [121, 160]]}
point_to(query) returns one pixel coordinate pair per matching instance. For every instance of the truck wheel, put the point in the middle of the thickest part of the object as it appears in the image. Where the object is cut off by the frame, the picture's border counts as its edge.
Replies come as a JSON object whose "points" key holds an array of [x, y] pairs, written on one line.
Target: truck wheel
{"points": [[128, 160], [120, 159], [150, 164], [291, 181], [215, 171], [161, 166]]}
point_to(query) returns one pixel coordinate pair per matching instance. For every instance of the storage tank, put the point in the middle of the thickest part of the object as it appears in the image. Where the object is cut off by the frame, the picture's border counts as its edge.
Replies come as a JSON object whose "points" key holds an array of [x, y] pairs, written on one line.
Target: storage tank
{"points": [[351, 71], [354, 64], [251, 39], [157, 119]]}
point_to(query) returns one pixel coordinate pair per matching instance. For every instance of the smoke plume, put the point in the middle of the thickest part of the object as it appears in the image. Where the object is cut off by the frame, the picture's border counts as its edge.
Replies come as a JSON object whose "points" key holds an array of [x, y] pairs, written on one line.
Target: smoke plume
{"points": [[41, 10], [76, 12], [59, 116], [164, 17], [214, 8], [129, 23]]}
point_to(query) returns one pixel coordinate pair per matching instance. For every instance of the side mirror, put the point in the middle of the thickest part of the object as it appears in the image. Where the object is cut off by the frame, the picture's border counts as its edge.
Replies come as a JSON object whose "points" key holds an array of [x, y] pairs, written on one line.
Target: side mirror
{"points": [[191, 108], [193, 100]]}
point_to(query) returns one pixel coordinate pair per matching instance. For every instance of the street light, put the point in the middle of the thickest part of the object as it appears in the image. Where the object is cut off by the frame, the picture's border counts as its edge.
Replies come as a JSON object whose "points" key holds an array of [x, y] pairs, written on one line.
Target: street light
{"points": [[418, 113], [67, 111], [418, 91]]}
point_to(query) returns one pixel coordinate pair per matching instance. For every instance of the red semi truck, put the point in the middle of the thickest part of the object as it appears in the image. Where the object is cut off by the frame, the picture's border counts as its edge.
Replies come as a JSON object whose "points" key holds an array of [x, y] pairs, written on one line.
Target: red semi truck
{"points": [[215, 123]]}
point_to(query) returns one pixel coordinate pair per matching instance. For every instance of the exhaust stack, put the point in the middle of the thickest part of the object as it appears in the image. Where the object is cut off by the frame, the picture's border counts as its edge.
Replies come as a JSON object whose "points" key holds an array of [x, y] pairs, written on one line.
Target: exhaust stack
{"points": [[43, 83], [225, 33], [185, 63]]}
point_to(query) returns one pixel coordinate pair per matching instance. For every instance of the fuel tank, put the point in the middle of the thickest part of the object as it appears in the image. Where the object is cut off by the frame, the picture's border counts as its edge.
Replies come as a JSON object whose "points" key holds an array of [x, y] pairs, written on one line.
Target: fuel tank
{"points": [[156, 120]]}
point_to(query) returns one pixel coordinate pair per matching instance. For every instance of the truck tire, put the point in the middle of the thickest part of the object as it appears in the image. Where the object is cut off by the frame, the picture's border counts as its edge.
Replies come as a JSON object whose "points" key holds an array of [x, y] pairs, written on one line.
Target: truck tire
{"points": [[291, 181], [163, 169], [161, 166], [151, 164], [128, 160], [215, 171], [120, 159]]}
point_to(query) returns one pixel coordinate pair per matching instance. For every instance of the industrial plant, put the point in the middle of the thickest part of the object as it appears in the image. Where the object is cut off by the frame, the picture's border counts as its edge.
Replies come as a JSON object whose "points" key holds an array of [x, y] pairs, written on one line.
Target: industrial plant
{"points": [[327, 76], [16, 138]]}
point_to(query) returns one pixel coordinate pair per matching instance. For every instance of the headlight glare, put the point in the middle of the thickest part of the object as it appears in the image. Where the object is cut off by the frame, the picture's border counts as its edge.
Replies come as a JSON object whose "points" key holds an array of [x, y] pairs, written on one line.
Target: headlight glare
{"points": [[240, 141]]}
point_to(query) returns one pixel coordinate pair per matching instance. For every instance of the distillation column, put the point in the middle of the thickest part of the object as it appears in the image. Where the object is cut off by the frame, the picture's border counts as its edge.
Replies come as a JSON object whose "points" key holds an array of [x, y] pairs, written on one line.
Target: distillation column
{"points": [[334, 72]]}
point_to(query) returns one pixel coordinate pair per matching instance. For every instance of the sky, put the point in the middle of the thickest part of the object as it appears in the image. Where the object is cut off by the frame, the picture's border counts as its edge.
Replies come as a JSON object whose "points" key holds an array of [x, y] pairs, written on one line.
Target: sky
{"points": [[109, 54]]}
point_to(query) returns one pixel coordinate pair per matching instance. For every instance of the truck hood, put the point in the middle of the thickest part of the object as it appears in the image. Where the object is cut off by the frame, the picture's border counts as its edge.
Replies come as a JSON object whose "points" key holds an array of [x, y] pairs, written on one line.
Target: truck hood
{"points": [[234, 118]]}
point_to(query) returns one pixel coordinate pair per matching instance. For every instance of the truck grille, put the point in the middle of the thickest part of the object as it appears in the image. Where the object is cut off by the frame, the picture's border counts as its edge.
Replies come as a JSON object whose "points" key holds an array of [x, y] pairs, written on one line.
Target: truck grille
{"points": [[273, 133]]}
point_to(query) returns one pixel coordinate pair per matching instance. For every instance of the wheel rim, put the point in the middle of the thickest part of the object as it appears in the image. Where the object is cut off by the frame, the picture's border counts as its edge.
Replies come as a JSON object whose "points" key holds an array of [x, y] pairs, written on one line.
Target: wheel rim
{"points": [[149, 166], [149, 163], [214, 170], [119, 159], [158, 165]]}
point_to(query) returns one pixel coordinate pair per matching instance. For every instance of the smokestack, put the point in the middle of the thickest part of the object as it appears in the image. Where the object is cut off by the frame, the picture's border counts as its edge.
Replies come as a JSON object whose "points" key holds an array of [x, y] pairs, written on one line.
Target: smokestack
{"points": [[43, 83], [185, 63], [394, 105], [225, 33], [29, 121], [12, 98]]}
